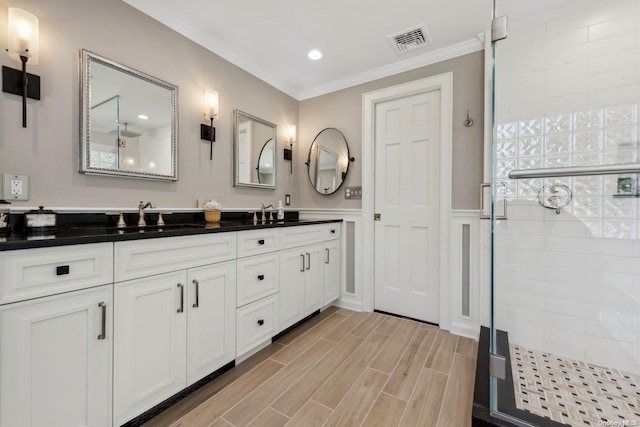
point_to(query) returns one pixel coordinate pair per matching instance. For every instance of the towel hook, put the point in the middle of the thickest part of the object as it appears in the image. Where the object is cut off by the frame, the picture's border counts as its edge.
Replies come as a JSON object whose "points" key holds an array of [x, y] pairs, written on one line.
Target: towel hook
{"points": [[468, 122]]}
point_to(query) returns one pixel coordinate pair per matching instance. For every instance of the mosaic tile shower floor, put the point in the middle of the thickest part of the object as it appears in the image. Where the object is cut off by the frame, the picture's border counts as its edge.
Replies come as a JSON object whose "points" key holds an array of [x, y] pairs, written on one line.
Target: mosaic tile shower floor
{"points": [[573, 392]]}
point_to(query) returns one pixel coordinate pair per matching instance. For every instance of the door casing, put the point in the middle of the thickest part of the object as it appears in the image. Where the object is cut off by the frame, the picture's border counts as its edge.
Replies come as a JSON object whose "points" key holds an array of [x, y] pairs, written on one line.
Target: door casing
{"points": [[444, 84]]}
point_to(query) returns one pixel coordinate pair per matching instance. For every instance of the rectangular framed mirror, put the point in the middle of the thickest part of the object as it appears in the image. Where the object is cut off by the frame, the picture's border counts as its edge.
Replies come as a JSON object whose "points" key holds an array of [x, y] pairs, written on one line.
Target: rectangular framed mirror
{"points": [[254, 142], [128, 121]]}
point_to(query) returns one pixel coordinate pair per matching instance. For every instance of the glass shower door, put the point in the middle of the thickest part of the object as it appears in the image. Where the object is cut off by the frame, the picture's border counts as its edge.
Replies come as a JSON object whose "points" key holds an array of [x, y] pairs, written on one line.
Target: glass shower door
{"points": [[566, 261]]}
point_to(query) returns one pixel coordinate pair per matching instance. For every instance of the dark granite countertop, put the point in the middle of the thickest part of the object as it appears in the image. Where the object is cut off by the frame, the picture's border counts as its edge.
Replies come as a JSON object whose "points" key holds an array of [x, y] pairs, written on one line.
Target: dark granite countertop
{"points": [[95, 228]]}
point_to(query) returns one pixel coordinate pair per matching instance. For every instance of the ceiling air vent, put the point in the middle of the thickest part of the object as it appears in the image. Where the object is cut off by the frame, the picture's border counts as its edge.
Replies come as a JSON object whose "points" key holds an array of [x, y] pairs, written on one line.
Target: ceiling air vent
{"points": [[410, 39]]}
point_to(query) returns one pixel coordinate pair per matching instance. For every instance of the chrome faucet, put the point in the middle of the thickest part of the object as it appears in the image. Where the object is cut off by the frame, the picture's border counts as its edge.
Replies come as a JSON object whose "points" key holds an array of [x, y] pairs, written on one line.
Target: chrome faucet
{"points": [[141, 207], [263, 207]]}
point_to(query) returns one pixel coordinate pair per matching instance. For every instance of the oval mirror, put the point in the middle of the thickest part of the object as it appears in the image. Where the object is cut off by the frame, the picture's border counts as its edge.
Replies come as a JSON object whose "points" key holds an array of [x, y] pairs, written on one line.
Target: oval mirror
{"points": [[266, 168], [328, 161]]}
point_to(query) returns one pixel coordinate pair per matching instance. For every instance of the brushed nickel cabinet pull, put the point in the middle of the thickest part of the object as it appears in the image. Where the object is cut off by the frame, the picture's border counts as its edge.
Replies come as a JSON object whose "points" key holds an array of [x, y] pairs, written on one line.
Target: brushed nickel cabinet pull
{"points": [[308, 261], [103, 308], [327, 261], [197, 303], [302, 269], [181, 287]]}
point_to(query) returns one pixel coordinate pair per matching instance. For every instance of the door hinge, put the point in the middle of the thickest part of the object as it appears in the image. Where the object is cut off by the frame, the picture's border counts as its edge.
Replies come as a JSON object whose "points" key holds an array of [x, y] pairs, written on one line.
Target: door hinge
{"points": [[376, 217], [497, 366]]}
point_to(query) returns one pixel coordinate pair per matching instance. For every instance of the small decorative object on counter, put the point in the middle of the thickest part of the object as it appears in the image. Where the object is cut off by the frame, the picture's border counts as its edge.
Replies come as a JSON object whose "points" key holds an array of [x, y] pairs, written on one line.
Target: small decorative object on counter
{"points": [[280, 211], [212, 211], [5, 208], [39, 220]]}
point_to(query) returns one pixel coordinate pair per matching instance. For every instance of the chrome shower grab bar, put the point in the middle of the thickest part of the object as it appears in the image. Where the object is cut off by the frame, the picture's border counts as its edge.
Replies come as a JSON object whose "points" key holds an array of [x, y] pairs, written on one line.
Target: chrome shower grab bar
{"points": [[575, 171]]}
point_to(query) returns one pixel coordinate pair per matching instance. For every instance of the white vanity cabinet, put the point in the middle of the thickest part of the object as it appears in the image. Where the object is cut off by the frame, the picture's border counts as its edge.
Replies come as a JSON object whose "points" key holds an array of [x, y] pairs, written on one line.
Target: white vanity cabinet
{"points": [[56, 338], [171, 329], [258, 288], [331, 270], [306, 280]]}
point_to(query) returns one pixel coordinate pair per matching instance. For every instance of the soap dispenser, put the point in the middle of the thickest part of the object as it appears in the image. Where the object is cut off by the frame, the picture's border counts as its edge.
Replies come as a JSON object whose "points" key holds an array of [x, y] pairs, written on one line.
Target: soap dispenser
{"points": [[280, 211]]}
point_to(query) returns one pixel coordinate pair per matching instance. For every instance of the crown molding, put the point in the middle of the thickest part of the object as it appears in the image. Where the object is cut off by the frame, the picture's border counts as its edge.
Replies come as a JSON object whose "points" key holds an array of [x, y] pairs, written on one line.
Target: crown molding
{"points": [[218, 47], [209, 42], [453, 51]]}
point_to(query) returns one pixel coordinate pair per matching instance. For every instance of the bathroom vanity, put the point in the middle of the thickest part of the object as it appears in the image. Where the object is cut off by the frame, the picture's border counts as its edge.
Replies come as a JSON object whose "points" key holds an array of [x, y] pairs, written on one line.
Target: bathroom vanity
{"points": [[99, 326]]}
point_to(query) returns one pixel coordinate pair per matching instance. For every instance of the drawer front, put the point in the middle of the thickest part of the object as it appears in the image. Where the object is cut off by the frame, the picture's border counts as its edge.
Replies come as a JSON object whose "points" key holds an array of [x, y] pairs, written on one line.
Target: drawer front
{"points": [[257, 278], [301, 235], [147, 257], [33, 273], [257, 242], [256, 323], [332, 231]]}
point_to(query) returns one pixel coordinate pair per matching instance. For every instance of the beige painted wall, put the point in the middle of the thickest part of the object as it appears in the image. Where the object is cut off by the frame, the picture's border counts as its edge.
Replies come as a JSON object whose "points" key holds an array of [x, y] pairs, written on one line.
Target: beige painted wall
{"points": [[47, 150], [343, 110]]}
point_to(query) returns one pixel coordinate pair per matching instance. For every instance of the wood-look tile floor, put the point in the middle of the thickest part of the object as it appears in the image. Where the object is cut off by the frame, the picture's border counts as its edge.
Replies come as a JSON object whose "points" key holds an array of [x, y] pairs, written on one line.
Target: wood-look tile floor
{"points": [[342, 368]]}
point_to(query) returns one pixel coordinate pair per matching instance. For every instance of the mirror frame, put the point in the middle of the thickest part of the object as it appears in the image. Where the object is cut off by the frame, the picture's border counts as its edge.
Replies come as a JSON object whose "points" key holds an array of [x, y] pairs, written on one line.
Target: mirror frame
{"points": [[346, 173], [236, 149], [87, 58]]}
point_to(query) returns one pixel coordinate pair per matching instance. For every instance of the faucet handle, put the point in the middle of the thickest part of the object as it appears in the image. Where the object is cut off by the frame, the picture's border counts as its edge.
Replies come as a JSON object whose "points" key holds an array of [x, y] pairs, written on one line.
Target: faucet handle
{"points": [[160, 222], [271, 215]]}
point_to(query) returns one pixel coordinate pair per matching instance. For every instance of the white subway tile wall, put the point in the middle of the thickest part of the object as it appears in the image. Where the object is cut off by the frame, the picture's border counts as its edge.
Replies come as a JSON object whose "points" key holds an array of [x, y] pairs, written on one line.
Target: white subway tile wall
{"points": [[568, 94]]}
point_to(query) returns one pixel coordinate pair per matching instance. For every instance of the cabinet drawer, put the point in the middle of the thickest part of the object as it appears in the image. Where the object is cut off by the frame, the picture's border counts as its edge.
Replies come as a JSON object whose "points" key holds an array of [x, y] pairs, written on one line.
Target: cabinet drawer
{"points": [[32, 273], [147, 257], [332, 231], [301, 235], [256, 323], [256, 242], [257, 278]]}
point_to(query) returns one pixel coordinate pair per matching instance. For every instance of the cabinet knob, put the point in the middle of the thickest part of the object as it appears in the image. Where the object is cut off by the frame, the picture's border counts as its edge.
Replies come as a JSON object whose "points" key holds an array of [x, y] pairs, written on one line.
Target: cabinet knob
{"points": [[261, 277], [261, 242], [260, 322], [333, 231]]}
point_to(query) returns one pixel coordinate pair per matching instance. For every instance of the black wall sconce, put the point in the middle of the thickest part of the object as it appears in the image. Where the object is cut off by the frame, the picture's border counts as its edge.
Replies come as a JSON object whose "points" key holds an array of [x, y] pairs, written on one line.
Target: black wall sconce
{"points": [[23, 47], [208, 132], [291, 140]]}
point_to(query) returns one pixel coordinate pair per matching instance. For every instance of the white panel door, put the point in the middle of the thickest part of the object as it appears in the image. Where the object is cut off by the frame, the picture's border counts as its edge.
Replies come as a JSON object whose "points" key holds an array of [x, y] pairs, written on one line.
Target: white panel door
{"points": [[211, 321], [55, 362], [150, 342], [407, 193]]}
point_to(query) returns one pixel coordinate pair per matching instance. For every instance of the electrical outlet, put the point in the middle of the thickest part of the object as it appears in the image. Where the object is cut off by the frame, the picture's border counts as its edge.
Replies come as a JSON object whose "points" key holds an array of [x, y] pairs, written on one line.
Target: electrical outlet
{"points": [[15, 187], [353, 193]]}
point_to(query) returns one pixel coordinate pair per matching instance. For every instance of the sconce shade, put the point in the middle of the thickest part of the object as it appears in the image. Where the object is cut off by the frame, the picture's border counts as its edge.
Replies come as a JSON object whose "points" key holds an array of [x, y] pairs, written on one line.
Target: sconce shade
{"points": [[23, 35], [291, 134], [211, 102]]}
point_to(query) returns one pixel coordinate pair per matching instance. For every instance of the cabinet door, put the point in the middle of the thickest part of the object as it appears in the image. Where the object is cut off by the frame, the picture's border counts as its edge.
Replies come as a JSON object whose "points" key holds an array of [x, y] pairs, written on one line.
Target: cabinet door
{"points": [[331, 271], [312, 279], [150, 342], [292, 275], [55, 361], [211, 319]]}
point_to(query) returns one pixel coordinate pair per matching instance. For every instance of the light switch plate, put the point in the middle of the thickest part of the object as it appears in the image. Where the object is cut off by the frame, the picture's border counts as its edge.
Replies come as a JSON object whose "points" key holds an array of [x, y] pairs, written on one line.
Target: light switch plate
{"points": [[353, 193], [15, 187]]}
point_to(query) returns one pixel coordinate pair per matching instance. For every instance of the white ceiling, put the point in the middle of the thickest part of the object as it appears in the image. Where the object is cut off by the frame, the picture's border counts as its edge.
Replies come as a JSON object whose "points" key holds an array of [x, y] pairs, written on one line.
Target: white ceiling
{"points": [[270, 39]]}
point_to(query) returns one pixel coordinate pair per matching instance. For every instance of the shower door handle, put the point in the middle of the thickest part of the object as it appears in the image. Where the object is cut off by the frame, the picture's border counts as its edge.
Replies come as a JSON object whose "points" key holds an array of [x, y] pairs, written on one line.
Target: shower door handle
{"points": [[485, 213]]}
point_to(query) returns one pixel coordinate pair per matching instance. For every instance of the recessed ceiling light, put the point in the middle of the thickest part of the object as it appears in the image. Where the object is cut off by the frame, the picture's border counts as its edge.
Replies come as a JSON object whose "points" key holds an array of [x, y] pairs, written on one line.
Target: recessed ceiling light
{"points": [[314, 54], [143, 116]]}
